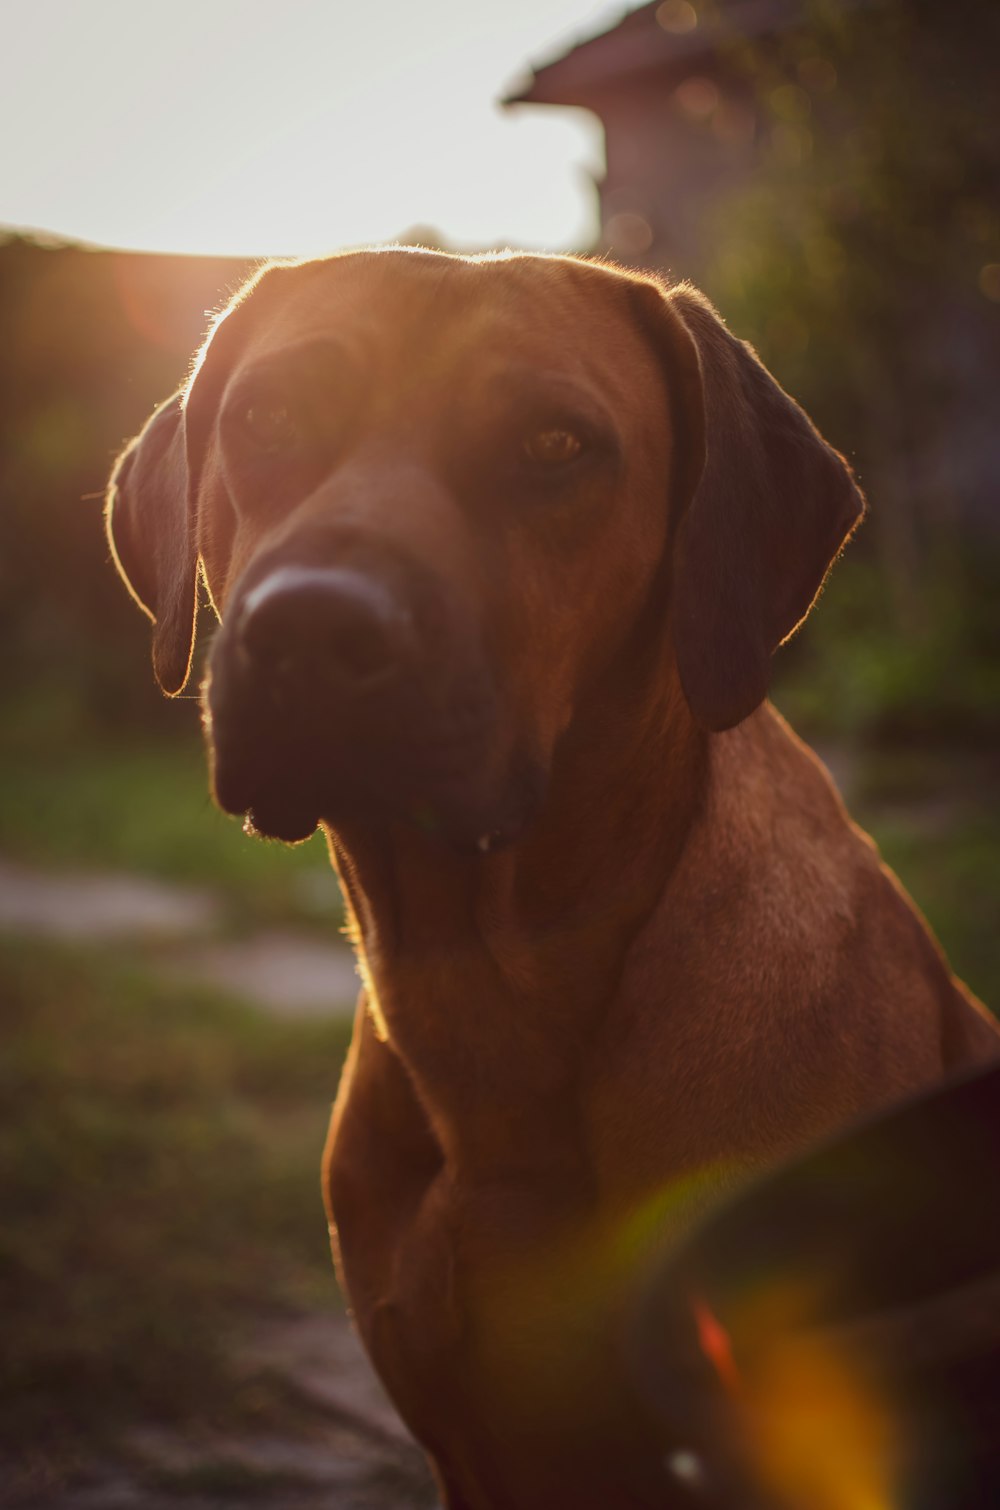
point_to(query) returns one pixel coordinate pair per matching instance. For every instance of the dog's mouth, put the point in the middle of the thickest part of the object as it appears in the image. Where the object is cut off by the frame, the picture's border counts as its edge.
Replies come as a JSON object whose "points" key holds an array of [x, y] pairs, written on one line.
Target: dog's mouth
{"points": [[331, 698], [285, 777]]}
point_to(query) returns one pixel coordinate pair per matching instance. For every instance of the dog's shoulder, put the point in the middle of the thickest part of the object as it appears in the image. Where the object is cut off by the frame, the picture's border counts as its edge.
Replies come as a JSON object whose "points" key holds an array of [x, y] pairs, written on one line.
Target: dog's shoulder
{"points": [[783, 966], [815, 914]]}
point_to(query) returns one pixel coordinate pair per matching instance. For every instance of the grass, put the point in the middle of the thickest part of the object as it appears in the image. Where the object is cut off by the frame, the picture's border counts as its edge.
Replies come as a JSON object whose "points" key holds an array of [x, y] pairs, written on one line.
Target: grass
{"points": [[159, 1160], [146, 808]]}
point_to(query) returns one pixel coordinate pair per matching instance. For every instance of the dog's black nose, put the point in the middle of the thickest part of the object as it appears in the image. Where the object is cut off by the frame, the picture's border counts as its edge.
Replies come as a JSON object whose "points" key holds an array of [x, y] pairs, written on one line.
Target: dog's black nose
{"points": [[331, 625]]}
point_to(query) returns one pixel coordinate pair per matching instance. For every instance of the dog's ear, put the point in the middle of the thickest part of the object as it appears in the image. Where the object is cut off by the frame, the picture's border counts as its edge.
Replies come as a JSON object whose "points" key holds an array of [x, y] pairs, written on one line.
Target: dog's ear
{"points": [[151, 512], [151, 531], [764, 507]]}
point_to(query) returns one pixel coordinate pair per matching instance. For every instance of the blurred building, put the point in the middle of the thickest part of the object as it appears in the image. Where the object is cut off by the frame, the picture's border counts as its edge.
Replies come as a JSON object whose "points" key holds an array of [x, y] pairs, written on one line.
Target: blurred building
{"points": [[680, 116]]}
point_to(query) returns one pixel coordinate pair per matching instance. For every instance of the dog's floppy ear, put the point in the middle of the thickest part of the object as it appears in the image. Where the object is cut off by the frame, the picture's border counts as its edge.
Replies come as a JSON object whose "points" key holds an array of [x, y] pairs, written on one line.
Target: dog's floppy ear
{"points": [[151, 531], [765, 507]]}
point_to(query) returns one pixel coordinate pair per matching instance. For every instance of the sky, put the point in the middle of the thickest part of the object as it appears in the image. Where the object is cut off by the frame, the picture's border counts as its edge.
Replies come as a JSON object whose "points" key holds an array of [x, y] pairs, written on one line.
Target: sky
{"points": [[232, 127]]}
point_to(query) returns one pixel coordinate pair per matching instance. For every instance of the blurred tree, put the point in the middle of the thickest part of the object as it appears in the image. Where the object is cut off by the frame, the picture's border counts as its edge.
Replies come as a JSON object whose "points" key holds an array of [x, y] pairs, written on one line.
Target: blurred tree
{"points": [[90, 342], [864, 258]]}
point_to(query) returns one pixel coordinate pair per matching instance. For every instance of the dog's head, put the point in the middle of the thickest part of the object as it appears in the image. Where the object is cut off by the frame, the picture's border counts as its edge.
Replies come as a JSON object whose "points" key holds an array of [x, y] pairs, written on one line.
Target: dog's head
{"points": [[433, 497]]}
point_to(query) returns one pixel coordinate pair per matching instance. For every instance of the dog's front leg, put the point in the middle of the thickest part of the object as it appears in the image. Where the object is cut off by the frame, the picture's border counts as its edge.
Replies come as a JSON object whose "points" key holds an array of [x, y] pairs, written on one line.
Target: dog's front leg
{"points": [[382, 1185]]}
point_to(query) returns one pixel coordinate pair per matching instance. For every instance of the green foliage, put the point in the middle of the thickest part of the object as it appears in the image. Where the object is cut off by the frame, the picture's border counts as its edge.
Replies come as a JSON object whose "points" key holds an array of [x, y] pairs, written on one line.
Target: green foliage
{"points": [[159, 1161], [862, 258], [873, 208], [854, 671]]}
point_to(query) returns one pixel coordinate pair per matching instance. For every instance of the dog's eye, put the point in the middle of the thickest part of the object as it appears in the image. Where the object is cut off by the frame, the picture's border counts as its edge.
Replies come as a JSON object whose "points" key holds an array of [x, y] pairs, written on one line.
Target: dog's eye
{"points": [[270, 426], [553, 447]]}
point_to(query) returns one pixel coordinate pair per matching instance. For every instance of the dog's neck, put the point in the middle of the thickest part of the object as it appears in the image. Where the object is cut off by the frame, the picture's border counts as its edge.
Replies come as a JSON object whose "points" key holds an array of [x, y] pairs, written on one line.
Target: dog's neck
{"points": [[489, 974]]}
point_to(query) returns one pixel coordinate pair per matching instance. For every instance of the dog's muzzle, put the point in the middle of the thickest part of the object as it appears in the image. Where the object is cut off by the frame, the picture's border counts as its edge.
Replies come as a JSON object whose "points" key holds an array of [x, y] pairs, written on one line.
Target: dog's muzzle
{"points": [[358, 690], [305, 630]]}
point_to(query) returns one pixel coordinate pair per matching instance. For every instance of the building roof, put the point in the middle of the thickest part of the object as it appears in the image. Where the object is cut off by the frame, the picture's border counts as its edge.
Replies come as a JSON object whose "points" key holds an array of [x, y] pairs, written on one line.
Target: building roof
{"points": [[663, 34]]}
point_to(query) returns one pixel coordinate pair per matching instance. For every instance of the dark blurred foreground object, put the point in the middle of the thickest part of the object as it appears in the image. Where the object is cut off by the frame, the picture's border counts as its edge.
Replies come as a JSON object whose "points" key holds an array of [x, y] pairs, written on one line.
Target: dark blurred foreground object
{"points": [[831, 1339]]}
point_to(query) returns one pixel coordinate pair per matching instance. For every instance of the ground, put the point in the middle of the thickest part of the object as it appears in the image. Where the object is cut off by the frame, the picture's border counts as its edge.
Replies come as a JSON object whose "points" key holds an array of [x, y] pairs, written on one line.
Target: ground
{"points": [[309, 1424], [336, 1443]]}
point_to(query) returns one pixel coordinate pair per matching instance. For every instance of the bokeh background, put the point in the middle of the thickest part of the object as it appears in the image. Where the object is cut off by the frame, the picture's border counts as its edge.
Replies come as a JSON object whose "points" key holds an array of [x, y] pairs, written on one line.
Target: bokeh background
{"points": [[828, 173]]}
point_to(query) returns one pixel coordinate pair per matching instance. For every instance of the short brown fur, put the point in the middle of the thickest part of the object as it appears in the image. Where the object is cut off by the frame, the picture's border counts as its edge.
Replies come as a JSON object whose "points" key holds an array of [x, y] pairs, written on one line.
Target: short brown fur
{"points": [[688, 964]]}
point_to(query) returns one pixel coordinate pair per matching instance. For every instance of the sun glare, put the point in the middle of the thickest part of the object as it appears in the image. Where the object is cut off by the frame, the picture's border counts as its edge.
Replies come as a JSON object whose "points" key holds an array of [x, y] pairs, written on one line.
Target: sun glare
{"points": [[294, 132]]}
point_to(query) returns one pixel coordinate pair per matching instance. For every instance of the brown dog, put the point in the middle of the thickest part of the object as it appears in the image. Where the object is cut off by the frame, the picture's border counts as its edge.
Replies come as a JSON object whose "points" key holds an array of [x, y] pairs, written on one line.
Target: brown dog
{"points": [[502, 547]]}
